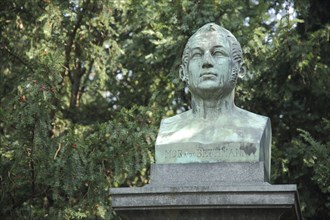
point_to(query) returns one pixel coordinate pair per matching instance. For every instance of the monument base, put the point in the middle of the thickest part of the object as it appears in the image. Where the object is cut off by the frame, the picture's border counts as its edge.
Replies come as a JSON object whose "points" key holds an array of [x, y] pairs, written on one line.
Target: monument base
{"points": [[188, 192], [192, 202]]}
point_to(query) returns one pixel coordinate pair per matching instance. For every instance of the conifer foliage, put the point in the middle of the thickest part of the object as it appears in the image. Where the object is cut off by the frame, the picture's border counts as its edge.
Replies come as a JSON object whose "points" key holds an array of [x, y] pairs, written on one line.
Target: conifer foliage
{"points": [[85, 83]]}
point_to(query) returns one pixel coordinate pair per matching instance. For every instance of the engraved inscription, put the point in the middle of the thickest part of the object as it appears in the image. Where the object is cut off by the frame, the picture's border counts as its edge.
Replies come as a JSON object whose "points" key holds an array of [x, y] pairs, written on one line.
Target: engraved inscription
{"points": [[214, 153], [202, 152]]}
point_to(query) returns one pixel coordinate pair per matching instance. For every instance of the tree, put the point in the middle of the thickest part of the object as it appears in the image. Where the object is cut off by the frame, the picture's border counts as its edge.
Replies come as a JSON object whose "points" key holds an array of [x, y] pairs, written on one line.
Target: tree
{"points": [[85, 83]]}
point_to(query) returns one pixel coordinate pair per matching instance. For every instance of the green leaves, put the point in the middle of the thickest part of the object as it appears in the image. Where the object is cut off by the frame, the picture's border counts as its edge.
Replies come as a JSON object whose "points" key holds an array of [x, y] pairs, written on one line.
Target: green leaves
{"points": [[309, 163], [84, 85]]}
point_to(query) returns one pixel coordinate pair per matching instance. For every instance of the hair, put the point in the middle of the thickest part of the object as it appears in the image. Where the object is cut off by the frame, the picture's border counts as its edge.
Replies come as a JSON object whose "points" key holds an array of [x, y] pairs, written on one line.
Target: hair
{"points": [[236, 52]]}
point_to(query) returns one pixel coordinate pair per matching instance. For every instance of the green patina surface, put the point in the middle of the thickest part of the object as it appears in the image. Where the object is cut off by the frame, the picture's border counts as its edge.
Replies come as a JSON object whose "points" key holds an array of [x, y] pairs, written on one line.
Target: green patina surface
{"points": [[215, 129]]}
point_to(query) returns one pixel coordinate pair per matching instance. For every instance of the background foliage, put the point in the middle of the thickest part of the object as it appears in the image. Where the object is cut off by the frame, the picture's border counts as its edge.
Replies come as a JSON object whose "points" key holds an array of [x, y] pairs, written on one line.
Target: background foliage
{"points": [[85, 83]]}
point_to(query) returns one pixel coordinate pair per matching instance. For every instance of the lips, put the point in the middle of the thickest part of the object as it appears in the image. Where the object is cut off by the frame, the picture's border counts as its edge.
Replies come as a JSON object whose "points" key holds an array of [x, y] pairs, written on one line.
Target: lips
{"points": [[208, 74]]}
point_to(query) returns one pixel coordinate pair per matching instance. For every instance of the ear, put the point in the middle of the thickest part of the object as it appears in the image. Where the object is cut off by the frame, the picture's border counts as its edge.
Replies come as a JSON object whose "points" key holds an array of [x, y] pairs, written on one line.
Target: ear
{"points": [[242, 70], [183, 73]]}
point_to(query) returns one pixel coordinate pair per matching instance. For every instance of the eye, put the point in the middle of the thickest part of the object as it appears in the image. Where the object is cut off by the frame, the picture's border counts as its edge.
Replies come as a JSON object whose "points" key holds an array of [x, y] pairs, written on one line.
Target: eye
{"points": [[219, 53], [196, 55]]}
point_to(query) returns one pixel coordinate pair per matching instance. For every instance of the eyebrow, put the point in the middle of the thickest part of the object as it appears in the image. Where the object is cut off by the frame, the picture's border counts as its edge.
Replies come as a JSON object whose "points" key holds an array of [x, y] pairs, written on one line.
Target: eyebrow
{"points": [[197, 48], [218, 46], [215, 47]]}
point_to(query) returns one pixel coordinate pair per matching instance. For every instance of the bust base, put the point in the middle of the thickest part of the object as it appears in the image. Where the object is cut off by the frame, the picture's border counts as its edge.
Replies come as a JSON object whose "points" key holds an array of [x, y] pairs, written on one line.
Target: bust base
{"points": [[210, 174]]}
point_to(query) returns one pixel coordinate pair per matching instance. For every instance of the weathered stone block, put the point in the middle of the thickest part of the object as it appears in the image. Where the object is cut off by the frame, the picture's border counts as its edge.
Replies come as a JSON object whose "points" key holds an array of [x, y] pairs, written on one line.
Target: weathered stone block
{"points": [[201, 174], [259, 202]]}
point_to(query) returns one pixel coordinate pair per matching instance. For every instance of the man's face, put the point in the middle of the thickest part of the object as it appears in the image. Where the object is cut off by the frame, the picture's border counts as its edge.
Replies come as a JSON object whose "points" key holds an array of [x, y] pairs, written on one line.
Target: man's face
{"points": [[209, 66]]}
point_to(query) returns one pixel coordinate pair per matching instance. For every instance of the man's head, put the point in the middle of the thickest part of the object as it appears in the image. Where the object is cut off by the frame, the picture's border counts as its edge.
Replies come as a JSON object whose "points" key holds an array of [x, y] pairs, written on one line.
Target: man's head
{"points": [[212, 60]]}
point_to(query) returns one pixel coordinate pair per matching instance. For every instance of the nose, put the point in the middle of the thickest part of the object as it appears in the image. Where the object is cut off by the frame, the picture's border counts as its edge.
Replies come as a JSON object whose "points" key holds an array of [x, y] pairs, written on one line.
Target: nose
{"points": [[207, 61]]}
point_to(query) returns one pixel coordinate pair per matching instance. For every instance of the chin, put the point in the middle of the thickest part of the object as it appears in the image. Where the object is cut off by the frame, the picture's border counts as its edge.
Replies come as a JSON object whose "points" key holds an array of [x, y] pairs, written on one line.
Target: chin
{"points": [[210, 85], [206, 92], [211, 89]]}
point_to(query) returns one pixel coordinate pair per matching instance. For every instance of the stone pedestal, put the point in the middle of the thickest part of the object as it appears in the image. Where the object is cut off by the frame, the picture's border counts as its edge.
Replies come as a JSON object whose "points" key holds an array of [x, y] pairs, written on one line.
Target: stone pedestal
{"points": [[228, 191]]}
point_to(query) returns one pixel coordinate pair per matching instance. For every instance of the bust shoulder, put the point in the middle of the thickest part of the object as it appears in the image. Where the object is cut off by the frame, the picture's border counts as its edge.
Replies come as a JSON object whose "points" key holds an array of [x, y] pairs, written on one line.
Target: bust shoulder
{"points": [[171, 124], [250, 118], [239, 126]]}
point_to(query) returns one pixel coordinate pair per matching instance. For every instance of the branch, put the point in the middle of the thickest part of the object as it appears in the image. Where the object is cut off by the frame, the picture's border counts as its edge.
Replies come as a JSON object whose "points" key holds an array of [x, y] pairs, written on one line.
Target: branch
{"points": [[71, 38], [82, 90], [5, 48]]}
